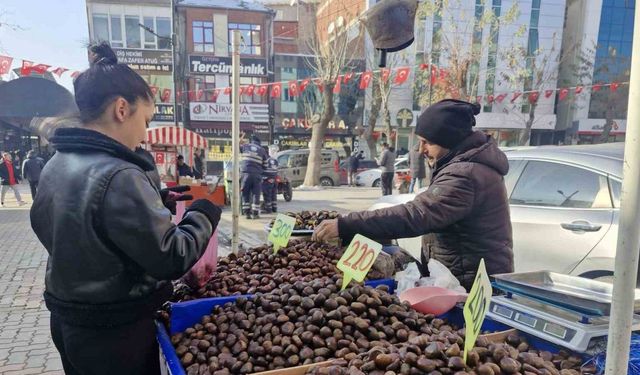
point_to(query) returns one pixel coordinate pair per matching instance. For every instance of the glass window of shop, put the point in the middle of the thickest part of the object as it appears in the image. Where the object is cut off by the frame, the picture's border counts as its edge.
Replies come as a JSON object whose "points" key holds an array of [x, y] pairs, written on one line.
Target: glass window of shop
{"points": [[132, 29], [163, 29], [206, 83], [129, 34], [100, 27], [251, 38], [202, 36]]}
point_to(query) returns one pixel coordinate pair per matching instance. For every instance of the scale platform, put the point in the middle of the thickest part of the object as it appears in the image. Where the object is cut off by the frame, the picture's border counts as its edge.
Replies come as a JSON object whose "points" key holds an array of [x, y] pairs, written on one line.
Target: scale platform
{"points": [[581, 325]]}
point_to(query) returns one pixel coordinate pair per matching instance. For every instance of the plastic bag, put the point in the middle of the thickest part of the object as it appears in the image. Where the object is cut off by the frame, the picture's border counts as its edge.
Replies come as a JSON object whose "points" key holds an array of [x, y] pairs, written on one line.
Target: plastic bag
{"points": [[204, 268], [440, 276], [408, 278]]}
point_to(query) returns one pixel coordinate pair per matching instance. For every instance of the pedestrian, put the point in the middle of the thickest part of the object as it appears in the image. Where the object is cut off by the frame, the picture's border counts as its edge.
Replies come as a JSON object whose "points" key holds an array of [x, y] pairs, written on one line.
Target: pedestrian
{"points": [[31, 169], [269, 185], [354, 164], [253, 163], [183, 168], [386, 162], [113, 249], [417, 168], [463, 215], [198, 165], [9, 179]]}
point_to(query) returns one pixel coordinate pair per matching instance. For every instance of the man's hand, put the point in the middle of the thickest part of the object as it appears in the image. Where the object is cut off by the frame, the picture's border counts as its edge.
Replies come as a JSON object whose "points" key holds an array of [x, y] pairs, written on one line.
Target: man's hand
{"points": [[172, 195], [326, 231]]}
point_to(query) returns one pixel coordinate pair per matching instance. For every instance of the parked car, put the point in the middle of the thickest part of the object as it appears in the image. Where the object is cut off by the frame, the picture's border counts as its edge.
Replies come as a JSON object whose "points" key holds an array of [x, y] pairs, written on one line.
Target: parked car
{"points": [[372, 177], [293, 166], [363, 166], [564, 208]]}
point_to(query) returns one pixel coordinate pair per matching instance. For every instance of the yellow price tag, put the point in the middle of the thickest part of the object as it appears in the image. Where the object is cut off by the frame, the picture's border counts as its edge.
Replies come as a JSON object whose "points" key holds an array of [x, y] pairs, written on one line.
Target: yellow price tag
{"points": [[281, 231], [476, 307], [358, 259]]}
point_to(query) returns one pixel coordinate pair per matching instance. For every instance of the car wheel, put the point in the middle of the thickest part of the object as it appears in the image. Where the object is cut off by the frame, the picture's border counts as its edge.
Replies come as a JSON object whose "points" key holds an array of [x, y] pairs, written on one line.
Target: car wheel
{"points": [[288, 194], [326, 181], [604, 276], [376, 183]]}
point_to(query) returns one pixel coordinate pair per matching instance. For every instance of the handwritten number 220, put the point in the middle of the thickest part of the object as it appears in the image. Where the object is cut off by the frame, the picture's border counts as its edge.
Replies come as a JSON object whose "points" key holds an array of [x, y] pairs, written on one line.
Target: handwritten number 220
{"points": [[366, 252]]}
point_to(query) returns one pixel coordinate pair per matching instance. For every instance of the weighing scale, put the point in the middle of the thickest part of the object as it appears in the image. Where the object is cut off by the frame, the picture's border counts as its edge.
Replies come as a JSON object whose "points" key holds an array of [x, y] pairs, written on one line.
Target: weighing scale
{"points": [[572, 312]]}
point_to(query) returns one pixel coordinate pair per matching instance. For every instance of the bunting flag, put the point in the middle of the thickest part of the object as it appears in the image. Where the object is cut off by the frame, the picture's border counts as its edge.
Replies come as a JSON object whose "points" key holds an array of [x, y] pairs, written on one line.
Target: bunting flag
{"points": [[293, 88], [154, 91], [614, 87], [25, 70], [276, 90], [347, 77], [365, 79], [262, 90], [59, 71], [40, 68], [402, 74], [444, 74], [200, 95], [166, 95], [490, 99], [216, 93], [384, 74], [424, 66], [250, 90], [563, 94], [5, 64], [303, 85], [242, 90], [596, 87], [337, 86], [579, 89], [548, 93], [515, 96], [533, 97], [434, 74], [227, 91], [501, 97], [478, 99], [319, 84]]}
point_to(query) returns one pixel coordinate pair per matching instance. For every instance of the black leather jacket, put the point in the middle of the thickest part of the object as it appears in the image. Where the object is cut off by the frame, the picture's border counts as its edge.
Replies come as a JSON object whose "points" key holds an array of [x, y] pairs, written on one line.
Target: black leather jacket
{"points": [[109, 237]]}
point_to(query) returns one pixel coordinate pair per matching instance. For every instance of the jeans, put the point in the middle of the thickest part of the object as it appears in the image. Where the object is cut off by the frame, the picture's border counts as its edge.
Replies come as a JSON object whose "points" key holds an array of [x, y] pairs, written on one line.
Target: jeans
{"points": [[15, 192], [270, 195], [34, 188], [413, 184], [387, 183]]}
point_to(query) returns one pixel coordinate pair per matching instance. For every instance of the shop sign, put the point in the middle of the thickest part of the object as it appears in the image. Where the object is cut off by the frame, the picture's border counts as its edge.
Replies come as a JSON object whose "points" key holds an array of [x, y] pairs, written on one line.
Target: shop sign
{"points": [[222, 65], [404, 118], [164, 112], [301, 123], [223, 112], [145, 60]]}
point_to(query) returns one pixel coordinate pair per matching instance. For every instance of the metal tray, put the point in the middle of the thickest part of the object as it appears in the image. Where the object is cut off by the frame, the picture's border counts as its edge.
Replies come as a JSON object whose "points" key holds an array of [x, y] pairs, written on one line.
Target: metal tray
{"points": [[568, 291], [295, 232]]}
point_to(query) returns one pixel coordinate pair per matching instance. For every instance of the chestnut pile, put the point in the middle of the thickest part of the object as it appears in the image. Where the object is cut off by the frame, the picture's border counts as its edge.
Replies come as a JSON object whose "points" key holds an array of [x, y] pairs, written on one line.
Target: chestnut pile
{"points": [[422, 355], [302, 323], [309, 220]]}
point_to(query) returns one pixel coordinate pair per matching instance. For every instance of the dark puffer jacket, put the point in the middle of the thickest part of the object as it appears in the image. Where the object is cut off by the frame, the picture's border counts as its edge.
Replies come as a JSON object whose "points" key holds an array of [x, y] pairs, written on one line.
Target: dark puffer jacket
{"points": [[112, 247], [464, 214]]}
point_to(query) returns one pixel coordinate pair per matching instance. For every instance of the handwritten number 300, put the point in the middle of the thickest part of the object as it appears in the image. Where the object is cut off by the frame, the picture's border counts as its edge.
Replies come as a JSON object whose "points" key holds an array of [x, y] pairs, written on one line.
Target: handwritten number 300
{"points": [[366, 252], [281, 228]]}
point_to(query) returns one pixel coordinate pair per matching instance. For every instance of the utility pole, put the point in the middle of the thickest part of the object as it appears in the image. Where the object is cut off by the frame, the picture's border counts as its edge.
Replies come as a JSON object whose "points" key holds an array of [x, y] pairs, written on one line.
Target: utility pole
{"points": [[175, 52], [235, 143]]}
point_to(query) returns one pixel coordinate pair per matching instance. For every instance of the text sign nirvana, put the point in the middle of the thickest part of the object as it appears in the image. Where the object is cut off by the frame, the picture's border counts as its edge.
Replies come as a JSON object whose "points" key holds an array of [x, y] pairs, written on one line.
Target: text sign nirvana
{"points": [[222, 65], [358, 259]]}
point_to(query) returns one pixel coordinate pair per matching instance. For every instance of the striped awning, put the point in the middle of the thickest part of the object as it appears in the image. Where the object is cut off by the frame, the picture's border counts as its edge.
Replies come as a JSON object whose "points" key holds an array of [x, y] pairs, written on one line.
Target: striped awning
{"points": [[175, 136]]}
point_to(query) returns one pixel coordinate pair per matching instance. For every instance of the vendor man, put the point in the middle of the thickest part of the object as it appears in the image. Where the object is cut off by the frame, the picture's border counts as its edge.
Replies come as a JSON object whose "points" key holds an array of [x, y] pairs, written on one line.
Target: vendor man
{"points": [[463, 215]]}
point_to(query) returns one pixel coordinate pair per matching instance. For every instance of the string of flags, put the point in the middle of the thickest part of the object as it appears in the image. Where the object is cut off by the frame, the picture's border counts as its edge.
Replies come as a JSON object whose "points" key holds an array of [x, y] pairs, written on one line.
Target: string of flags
{"points": [[437, 76]]}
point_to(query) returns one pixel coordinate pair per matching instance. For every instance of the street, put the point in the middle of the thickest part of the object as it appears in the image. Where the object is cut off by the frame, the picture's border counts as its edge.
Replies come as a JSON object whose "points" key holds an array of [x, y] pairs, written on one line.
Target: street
{"points": [[25, 343]]}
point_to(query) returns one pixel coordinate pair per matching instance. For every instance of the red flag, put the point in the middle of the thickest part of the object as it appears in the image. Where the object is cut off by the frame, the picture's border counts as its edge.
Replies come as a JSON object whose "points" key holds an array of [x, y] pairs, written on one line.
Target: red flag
{"points": [[490, 99], [303, 85], [192, 96], [26, 68], [250, 90], [75, 74], [5, 64], [443, 74], [347, 77], [596, 87], [216, 93], [59, 71], [401, 75], [479, 99], [434, 74], [200, 94], [548, 93], [276, 90], [501, 97], [227, 90], [262, 90], [166, 95], [365, 79], [384, 74], [293, 88], [579, 89], [614, 87], [319, 83], [242, 90], [533, 97], [336, 87], [424, 66], [515, 96], [563, 94], [154, 91]]}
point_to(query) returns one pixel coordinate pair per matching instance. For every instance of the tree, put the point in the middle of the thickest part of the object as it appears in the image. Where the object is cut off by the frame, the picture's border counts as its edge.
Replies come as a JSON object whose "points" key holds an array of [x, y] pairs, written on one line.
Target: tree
{"points": [[327, 63]]}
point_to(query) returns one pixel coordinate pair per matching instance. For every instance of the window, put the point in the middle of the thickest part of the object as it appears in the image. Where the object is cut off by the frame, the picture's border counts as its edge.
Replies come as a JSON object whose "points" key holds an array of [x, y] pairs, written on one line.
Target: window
{"points": [[279, 15], [206, 83], [149, 38], [326, 158], [132, 30], [616, 189], [251, 38], [202, 36], [515, 167], [100, 27], [557, 185], [163, 29], [299, 160], [283, 161], [116, 31]]}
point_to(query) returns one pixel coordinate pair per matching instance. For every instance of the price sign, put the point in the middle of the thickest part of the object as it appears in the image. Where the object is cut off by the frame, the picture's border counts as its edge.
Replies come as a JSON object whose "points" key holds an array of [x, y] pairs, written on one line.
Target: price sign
{"points": [[476, 307], [358, 259], [281, 231]]}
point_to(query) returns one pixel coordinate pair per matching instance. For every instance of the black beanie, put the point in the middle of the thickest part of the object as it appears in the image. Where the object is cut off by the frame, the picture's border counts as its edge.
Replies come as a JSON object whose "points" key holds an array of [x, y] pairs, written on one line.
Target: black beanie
{"points": [[448, 122]]}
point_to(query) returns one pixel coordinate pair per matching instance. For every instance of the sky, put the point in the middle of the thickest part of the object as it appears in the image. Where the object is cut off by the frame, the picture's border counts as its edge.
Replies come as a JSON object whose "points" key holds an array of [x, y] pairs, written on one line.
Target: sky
{"points": [[50, 32]]}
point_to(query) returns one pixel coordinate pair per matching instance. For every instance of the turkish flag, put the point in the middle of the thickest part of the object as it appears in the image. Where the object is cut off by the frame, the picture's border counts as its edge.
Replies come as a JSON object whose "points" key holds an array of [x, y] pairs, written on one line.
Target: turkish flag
{"points": [[515, 96], [5, 64], [548, 93], [75, 74], [26, 68], [563, 94], [490, 99], [401, 75], [276, 90], [365, 79], [501, 97], [303, 85], [59, 71], [478, 99], [533, 97], [293, 88], [242, 90], [596, 87], [216, 93], [192, 96], [579, 89], [200, 94], [166, 95], [250, 90], [443, 74], [227, 90], [262, 90], [424, 66], [614, 87], [154, 91], [319, 83], [347, 77], [336, 87], [384, 74]]}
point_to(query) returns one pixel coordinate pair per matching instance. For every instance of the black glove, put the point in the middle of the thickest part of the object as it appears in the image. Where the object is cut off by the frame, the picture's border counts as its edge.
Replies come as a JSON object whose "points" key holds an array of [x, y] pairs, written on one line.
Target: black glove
{"points": [[210, 210], [172, 195]]}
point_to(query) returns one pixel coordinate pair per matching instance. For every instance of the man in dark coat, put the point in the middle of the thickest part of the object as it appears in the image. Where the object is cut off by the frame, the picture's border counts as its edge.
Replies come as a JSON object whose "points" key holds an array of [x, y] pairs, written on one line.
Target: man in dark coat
{"points": [[183, 168], [417, 168], [463, 215], [353, 165], [31, 169]]}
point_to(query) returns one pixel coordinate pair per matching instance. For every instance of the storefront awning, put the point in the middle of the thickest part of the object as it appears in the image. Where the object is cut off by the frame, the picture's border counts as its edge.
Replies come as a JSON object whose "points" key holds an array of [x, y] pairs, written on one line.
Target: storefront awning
{"points": [[174, 136]]}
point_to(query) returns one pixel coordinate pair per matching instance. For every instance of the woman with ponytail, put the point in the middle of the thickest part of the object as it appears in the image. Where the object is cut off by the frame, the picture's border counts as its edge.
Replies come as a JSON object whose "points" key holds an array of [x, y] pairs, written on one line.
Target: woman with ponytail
{"points": [[113, 250]]}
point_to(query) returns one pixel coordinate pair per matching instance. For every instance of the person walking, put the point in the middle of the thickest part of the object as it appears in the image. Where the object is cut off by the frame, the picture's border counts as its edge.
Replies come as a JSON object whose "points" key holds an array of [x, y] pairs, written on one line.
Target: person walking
{"points": [[198, 164], [386, 162], [253, 163], [9, 179], [112, 247], [269, 185], [31, 170], [354, 164], [417, 168]]}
